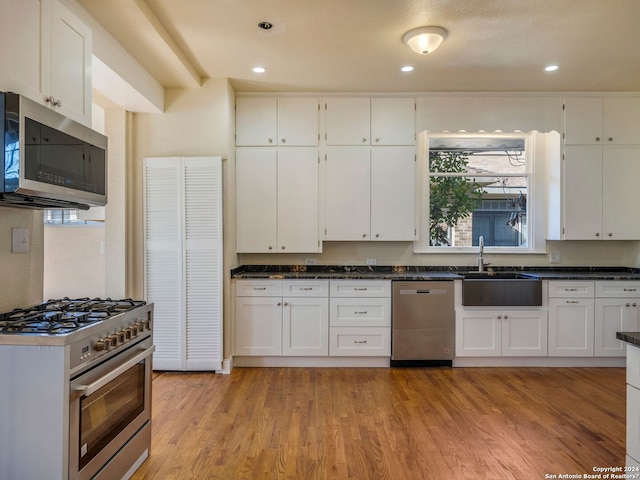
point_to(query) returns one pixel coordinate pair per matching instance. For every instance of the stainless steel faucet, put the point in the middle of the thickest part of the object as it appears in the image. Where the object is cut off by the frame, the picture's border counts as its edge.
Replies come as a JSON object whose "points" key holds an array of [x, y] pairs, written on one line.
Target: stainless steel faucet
{"points": [[481, 263]]}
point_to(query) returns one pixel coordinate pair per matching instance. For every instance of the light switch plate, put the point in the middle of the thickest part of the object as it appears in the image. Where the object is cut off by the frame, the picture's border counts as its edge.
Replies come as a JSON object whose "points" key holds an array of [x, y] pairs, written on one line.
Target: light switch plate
{"points": [[20, 240], [555, 257], [371, 261]]}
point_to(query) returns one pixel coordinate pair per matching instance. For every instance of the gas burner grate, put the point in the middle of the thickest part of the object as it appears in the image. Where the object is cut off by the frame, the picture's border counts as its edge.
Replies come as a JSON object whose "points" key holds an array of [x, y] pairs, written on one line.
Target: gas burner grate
{"points": [[53, 323]]}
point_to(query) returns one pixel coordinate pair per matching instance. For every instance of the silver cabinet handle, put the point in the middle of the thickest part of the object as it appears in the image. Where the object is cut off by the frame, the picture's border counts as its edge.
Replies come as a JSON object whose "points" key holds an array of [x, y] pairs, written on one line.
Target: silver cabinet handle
{"points": [[360, 289], [259, 288], [113, 374], [359, 341], [360, 313], [573, 301], [628, 289]]}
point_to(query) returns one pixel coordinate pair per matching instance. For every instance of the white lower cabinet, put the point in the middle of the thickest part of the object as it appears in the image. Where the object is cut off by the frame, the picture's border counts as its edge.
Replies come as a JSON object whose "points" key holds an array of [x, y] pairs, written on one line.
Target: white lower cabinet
{"points": [[617, 309], [360, 318], [482, 332], [633, 405], [584, 317], [281, 317]]}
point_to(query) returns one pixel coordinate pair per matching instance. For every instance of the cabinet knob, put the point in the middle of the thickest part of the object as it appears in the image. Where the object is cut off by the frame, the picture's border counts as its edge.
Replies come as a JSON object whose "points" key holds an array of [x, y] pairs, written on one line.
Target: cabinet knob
{"points": [[377, 139], [283, 140], [283, 247], [597, 234], [286, 304], [270, 247], [271, 140], [499, 317], [279, 304], [364, 235], [506, 316], [597, 139], [377, 235], [634, 304], [610, 139], [364, 140], [610, 234], [626, 305]]}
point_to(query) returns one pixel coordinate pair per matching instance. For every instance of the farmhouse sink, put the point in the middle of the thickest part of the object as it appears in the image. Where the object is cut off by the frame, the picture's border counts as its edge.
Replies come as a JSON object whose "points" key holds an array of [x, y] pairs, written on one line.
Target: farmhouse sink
{"points": [[500, 289]]}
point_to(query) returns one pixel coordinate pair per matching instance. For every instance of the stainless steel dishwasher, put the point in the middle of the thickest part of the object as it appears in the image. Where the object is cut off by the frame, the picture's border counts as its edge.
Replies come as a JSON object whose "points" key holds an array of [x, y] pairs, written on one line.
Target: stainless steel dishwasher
{"points": [[423, 324]]}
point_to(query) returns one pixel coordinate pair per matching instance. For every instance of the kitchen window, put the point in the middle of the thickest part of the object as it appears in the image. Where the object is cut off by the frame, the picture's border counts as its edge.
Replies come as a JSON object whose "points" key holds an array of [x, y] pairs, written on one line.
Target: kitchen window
{"points": [[488, 185], [67, 217]]}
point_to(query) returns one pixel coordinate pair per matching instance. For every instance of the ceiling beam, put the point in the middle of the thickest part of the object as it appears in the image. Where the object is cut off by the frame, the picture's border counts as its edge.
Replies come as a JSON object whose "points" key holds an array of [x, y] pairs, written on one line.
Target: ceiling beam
{"points": [[155, 22]]}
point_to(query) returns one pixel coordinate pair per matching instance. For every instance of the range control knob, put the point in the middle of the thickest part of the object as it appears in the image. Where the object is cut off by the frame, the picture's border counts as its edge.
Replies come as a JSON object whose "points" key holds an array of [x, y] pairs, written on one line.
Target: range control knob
{"points": [[113, 339], [99, 346]]}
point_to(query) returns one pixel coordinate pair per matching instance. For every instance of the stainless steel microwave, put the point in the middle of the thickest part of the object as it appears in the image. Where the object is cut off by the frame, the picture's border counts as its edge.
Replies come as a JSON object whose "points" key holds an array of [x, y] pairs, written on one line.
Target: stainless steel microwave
{"points": [[49, 160]]}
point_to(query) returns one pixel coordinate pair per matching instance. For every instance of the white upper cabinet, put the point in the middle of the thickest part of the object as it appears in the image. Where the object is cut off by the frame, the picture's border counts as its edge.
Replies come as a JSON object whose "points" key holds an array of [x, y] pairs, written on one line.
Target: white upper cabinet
{"points": [[348, 121], [272, 121], [348, 191], [71, 43], [393, 200], [298, 121], [49, 50], [277, 200], [370, 193], [600, 195], [393, 121], [602, 121], [375, 121]]}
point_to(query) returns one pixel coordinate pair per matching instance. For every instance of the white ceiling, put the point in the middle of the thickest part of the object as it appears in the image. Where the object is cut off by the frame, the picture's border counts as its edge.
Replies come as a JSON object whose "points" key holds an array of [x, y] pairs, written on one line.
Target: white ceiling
{"points": [[356, 45]]}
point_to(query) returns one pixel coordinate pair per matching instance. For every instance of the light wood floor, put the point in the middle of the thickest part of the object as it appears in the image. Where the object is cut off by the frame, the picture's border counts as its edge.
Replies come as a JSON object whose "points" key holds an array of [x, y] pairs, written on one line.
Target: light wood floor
{"points": [[405, 424]]}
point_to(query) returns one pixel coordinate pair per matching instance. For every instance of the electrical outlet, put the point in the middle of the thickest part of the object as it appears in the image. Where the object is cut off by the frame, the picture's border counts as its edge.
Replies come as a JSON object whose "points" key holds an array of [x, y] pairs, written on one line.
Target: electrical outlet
{"points": [[309, 261], [20, 240], [371, 261], [555, 257]]}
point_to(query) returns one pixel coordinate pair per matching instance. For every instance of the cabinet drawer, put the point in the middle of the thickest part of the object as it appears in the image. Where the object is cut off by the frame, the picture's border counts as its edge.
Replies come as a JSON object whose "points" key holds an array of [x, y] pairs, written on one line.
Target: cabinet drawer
{"points": [[258, 288], [620, 289], [633, 365], [360, 288], [572, 289], [360, 312], [355, 341], [305, 288]]}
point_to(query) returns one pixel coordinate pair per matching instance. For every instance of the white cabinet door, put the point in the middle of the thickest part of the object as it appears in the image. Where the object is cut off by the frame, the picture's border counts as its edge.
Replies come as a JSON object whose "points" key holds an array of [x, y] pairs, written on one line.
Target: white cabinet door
{"points": [[258, 326], [348, 121], [298, 121], [183, 260], [305, 326], [614, 315], [26, 27], [571, 327], [602, 121], [524, 333], [256, 200], [621, 121], [256, 121], [393, 200], [297, 201], [478, 333], [393, 121], [71, 50], [620, 194], [582, 193], [633, 423], [348, 193], [583, 121]]}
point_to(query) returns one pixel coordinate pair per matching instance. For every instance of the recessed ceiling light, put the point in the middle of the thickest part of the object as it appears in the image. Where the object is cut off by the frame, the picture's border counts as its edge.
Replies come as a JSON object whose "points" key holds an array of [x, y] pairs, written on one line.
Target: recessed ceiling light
{"points": [[259, 69], [551, 68], [407, 68]]}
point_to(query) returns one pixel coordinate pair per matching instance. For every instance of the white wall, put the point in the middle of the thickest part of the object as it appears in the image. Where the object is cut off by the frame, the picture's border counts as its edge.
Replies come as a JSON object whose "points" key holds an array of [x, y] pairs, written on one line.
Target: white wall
{"points": [[74, 263], [21, 279]]}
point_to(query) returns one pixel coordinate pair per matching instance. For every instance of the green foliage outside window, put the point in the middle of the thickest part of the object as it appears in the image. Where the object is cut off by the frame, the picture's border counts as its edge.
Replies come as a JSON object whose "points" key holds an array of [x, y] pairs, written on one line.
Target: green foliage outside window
{"points": [[451, 198]]}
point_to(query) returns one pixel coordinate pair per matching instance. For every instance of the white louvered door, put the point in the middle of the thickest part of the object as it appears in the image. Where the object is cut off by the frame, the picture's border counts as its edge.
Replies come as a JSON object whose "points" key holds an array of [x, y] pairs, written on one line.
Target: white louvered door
{"points": [[183, 260]]}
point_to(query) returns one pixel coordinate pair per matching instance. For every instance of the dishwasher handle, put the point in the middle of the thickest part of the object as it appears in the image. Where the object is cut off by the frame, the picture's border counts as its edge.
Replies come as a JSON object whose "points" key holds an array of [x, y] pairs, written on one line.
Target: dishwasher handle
{"points": [[414, 291]]}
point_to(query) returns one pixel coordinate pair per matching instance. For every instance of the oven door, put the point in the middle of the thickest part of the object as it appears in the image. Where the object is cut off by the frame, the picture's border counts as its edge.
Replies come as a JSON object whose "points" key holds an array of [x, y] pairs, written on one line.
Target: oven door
{"points": [[109, 407]]}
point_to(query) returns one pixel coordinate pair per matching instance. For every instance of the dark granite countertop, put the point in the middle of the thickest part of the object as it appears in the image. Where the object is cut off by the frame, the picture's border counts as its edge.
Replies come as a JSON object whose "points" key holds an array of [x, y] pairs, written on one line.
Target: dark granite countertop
{"points": [[630, 337], [408, 273]]}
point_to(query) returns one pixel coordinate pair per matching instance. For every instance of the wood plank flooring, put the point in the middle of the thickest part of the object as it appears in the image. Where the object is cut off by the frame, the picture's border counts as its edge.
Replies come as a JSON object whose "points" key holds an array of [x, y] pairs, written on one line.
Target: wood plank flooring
{"points": [[379, 423]]}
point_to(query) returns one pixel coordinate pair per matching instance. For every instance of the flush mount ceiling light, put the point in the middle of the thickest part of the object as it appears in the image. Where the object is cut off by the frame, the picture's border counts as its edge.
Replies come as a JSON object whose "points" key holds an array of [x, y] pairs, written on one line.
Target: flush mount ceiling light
{"points": [[424, 40]]}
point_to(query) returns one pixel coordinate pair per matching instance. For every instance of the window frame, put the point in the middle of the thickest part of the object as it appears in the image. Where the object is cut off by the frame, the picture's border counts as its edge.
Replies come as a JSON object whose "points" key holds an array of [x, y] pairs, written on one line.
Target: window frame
{"points": [[537, 147]]}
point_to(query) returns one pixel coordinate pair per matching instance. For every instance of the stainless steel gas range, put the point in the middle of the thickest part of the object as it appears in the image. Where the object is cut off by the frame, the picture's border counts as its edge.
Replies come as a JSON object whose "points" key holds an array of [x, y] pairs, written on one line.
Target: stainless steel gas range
{"points": [[75, 389]]}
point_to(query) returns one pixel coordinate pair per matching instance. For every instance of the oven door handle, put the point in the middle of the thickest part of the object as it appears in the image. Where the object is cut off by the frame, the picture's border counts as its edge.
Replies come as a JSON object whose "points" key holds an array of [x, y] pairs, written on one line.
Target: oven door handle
{"points": [[113, 374]]}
